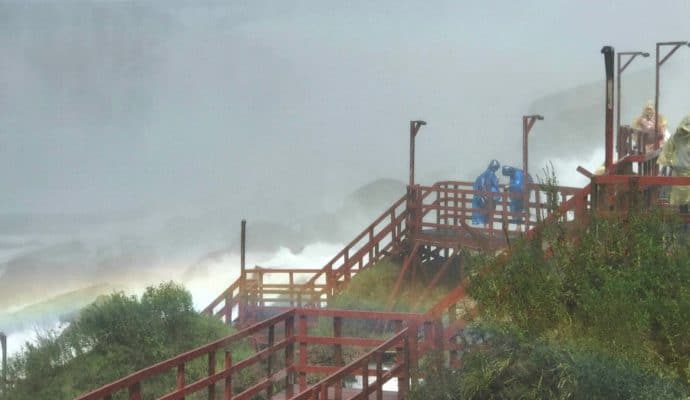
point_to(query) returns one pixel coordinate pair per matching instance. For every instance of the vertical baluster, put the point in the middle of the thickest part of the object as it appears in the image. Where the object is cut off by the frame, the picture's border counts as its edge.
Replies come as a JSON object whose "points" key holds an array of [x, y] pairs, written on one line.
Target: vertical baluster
{"points": [[403, 357], [338, 353], [228, 309], [228, 379], [211, 371], [180, 377], [379, 375], [453, 359], [270, 361], [302, 331], [135, 391], [289, 356]]}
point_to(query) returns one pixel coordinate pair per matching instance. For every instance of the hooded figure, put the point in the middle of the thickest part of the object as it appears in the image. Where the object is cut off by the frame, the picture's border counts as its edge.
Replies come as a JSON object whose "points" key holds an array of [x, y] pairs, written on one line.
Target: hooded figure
{"points": [[646, 123], [676, 154], [516, 186], [486, 182]]}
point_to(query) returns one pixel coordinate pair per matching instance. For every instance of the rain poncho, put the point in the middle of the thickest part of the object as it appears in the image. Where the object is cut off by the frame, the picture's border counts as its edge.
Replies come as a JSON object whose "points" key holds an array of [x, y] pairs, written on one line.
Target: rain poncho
{"points": [[646, 123], [487, 182], [516, 188], [676, 153]]}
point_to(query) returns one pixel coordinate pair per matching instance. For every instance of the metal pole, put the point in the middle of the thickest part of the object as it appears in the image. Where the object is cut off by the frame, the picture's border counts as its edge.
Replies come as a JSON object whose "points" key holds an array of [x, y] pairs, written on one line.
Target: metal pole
{"points": [[525, 132], [3, 343], [618, 104], [412, 135], [414, 129], [656, 95], [412, 205], [242, 306], [243, 239], [608, 63], [527, 124], [620, 70], [659, 63]]}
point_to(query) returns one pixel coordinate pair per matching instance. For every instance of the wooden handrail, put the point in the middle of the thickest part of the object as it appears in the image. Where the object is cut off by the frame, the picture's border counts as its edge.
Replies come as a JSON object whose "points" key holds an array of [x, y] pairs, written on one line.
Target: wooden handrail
{"points": [[136, 377], [290, 338], [320, 388]]}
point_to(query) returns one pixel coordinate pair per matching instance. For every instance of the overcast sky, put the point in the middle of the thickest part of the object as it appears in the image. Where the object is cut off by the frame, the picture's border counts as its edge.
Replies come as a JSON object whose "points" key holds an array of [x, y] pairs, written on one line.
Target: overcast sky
{"points": [[112, 106]]}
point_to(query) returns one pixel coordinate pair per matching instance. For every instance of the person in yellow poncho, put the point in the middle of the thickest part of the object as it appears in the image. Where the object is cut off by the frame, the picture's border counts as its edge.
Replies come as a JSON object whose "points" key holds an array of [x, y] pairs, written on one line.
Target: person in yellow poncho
{"points": [[646, 123], [676, 154]]}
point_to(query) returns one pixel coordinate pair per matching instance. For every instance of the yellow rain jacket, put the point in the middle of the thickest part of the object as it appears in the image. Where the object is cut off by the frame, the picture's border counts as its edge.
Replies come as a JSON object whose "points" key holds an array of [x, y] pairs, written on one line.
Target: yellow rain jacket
{"points": [[676, 153]]}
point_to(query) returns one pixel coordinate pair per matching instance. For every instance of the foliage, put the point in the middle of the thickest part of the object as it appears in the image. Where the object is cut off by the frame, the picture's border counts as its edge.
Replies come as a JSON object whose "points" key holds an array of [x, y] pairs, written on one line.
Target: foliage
{"points": [[622, 287], [507, 367], [617, 293], [549, 184], [112, 337], [599, 309], [371, 288]]}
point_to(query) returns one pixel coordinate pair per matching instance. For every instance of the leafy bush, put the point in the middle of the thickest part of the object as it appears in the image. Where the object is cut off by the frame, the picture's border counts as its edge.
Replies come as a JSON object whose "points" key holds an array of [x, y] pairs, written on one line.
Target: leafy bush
{"points": [[508, 367], [114, 336], [619, 288]]}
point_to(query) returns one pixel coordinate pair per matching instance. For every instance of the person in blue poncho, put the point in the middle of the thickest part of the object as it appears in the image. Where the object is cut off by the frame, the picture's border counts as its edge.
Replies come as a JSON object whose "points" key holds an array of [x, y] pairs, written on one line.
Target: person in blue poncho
{"points": [[516, 187], [481, 202]]}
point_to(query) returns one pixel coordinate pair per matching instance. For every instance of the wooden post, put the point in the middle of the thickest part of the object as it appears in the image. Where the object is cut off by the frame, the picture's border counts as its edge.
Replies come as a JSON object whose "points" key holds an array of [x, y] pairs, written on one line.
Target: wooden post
{"points": [[228, 379], [412, 351], [289, 356], [180, 378], [453, 359], [211, 371], [438, 343], [228, 309], [135, 391], [404, 376], [379, 375], [270, 362], [338, 353], [302, 331]]}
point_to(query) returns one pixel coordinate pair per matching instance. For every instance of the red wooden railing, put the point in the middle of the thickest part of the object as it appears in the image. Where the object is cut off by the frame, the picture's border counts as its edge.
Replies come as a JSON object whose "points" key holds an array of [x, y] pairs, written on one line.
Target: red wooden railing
{"points": [[313, 287], [285, 361], [448, 204], [620, 193], [134, 384], [332, 387], [376, 241], [452, 206], [442, 206]]}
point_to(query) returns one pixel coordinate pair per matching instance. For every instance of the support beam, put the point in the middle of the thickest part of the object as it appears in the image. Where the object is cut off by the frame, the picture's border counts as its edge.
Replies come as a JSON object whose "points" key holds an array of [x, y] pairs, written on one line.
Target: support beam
{"points": [[392, 299], [437, 277]]}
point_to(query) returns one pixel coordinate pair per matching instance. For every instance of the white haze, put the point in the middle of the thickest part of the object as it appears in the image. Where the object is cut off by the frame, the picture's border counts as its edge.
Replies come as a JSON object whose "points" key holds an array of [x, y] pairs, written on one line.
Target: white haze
{"points": [[217, 275], [134, 136]]}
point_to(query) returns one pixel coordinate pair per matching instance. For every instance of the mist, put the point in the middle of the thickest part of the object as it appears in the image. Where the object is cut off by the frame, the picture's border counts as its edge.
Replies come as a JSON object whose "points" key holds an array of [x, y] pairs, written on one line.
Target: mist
{"points": [[134, 136]]}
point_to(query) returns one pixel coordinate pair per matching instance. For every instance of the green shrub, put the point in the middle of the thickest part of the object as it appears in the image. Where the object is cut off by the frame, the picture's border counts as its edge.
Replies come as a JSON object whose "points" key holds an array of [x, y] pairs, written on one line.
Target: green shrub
{"points": [[619, 288], [113, 337], [508, 367]]}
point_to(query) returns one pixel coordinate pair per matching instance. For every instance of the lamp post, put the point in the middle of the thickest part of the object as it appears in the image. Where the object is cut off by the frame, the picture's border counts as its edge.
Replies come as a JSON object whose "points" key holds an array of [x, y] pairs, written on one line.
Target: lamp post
{"points": [[3, 344], [413, 195], [621, 68], [659, 62], [527, 124], [242, 306], [414, 129]]}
